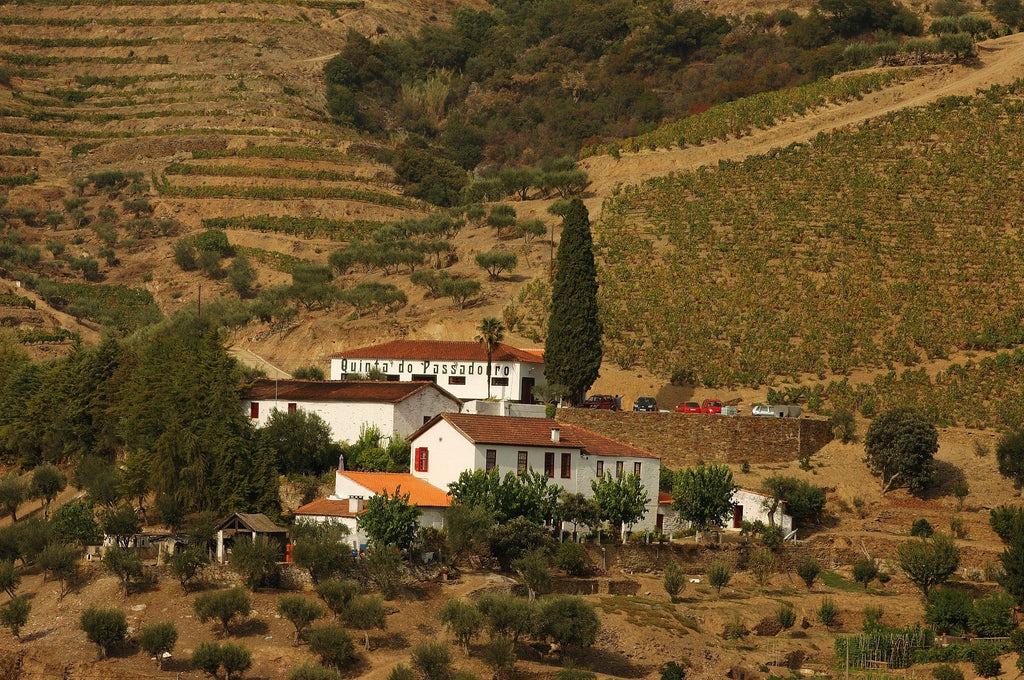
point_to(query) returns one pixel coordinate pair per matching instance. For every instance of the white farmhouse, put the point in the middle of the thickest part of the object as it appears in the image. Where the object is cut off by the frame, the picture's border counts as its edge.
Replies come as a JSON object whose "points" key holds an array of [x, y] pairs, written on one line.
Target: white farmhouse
{"points": [[747, 506], [349, 407], [459, 367], [571, 456], [353, 489]]}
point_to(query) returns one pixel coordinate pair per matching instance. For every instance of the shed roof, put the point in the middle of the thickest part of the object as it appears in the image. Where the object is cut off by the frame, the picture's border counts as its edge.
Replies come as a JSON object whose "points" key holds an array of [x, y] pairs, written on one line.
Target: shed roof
{"points": [[257, 522], [338, 390], [485, 429], [442, 350]]}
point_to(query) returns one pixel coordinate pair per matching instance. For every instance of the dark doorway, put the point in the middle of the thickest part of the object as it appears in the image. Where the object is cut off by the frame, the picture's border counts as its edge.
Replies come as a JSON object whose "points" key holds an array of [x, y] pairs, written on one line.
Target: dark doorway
{"points": [[526, 391]]}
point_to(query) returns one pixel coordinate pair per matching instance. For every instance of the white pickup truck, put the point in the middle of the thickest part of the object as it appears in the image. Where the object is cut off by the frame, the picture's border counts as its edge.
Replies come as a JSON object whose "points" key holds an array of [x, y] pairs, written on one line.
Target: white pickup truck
{"points": [[776, 411]]}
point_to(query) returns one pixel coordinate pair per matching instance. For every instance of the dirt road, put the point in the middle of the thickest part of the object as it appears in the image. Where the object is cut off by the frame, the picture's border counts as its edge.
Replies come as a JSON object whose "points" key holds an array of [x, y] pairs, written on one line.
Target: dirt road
{"points": [[1000, 61]]}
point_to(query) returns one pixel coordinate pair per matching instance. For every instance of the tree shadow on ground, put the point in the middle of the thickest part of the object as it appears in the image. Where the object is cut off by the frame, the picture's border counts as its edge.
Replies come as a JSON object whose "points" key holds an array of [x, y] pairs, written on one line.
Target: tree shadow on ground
{"points": [[609, 662], [944, 480], [391, 641], [249, 627]]}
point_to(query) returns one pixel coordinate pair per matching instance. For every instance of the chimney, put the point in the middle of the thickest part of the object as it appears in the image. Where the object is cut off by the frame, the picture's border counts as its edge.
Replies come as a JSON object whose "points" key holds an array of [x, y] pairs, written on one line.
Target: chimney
{"points": [[355, 504], [556, 434]]}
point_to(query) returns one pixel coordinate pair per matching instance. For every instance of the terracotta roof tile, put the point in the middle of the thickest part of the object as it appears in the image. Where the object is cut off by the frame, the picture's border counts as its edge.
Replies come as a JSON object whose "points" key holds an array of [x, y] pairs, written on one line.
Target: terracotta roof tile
{"points": [[483, 429], [442, 350], [337, 390], [664, 498], [421, 493], [327, 507]]}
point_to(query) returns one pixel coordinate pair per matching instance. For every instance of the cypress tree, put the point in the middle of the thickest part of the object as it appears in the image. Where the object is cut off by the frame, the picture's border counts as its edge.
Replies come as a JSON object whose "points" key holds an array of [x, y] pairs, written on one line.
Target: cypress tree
{"points": [[572, 352]]}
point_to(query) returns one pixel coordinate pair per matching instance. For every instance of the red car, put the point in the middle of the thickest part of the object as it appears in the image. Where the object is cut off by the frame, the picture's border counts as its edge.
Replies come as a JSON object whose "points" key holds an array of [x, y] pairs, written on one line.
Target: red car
{"points": [[688, 407], [711, 406]]}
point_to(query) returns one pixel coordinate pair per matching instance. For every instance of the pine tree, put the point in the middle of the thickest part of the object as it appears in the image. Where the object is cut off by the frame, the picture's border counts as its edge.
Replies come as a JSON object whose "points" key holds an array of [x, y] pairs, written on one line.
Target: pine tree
{"points": [[572, 352]]}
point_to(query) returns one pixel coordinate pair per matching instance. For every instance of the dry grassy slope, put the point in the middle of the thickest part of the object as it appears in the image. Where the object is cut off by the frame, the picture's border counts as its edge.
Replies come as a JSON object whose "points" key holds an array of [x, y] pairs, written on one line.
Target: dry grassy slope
{"points": [[638, 634]]}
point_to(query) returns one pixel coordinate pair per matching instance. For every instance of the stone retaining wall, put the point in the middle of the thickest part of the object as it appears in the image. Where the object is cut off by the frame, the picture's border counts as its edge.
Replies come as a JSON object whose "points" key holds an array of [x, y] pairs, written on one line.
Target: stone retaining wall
{"points": [[683, 439]]}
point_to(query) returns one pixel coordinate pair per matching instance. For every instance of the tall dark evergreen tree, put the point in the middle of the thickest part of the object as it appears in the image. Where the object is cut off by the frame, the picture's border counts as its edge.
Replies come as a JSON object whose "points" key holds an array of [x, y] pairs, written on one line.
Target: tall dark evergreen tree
{"points": [[180, 405], [572, 352]]}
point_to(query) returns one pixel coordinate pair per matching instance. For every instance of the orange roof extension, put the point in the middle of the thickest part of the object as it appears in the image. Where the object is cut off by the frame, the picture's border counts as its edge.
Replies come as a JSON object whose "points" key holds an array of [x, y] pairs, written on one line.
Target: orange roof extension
{"points": [[482, 429], [420, 492], [326, 507], [337, 390], [442, 350]]}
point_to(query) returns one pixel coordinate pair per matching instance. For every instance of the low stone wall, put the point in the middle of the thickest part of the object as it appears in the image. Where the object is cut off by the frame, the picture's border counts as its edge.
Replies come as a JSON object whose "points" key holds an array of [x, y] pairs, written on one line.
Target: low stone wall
{"points": [[683, 439]]}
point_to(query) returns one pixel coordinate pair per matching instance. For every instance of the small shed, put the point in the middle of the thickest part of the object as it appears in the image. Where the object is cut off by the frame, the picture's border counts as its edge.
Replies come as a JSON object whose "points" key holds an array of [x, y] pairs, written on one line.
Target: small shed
{"points": [[248, 524]]}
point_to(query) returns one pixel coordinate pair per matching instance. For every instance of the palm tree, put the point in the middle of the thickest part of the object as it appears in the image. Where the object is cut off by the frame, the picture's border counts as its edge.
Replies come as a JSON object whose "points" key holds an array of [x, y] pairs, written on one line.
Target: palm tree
{"points": [[492, 332]]}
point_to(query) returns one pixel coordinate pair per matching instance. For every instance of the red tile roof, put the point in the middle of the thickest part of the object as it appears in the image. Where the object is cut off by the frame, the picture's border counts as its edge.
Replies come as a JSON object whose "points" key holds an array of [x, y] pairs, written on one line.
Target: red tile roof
{"points": [[326, 507], [483, 429], [337, 390], [664, 498], [421, 493], [442, 350]]}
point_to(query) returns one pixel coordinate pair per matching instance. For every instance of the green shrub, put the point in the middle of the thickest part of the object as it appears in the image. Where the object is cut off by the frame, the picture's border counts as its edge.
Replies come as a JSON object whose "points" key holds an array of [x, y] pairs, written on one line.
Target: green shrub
{"points": [[433, 660], [948, 610], [947, 672], [719, 575], [786, 615], [986, 664], [992, 616], [333, 645], [571, 558], [922, 528], [808, 570], [872, 621], [104, 627], [828, 612], [310, 672], [674, 580]]}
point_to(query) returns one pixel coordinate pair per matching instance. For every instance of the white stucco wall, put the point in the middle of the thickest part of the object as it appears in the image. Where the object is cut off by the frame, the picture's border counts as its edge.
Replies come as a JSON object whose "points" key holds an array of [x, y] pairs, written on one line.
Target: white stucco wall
{"points": [[753, 510], [474, 372], [412, 412], [450, 454], [344, 488], [347, 419]]}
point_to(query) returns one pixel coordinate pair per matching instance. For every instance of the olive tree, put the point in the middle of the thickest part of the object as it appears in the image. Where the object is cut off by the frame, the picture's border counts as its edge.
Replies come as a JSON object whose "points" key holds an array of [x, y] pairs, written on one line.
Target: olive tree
{"points": [[900, 447]]}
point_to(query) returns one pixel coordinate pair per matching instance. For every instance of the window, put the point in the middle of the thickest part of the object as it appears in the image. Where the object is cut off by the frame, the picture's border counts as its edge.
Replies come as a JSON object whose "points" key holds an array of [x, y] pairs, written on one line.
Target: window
{"points": [[456, 380], [521, 463], [499, 382], [618, 469], [254, 410], [636, 469], [566, 465], [421, 458], [491, 459], [425, 378], [292, 407], [600, 468], [549, 464], [392, 378]]}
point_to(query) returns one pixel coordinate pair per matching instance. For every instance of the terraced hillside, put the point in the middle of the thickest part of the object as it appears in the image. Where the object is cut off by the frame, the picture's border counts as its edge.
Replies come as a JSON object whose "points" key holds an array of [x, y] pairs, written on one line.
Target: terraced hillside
{"points": [[126, 125]]}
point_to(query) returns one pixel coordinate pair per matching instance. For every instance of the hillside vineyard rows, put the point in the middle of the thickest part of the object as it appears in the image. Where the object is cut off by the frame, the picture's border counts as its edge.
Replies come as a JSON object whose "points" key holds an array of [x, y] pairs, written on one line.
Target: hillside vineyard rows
{"points": [[877, 248]]}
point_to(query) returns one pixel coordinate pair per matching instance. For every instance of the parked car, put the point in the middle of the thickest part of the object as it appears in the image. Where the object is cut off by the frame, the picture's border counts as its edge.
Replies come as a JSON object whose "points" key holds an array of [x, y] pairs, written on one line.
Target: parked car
{"points": [[711, 406], [776, 411], [603, 401], [645, 404], [688, 407]]}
